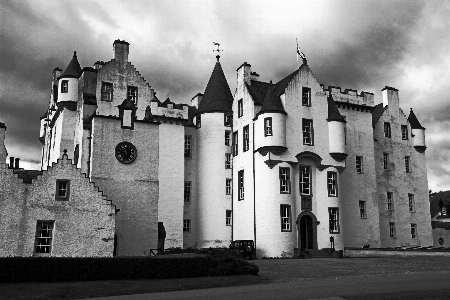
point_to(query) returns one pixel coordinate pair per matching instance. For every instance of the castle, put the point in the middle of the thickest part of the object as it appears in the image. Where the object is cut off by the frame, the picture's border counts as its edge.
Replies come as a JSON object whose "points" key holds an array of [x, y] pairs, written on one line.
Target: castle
{"points": [[286, 164]]}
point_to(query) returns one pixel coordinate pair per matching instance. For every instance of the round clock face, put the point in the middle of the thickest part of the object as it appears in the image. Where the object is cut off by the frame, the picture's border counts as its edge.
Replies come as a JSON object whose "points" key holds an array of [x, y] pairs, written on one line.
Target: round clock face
{"points": [[126, 152]]}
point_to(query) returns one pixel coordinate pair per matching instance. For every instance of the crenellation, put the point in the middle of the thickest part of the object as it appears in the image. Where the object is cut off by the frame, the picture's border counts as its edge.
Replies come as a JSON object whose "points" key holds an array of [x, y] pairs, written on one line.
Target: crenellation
{"points": [[351, 96]]}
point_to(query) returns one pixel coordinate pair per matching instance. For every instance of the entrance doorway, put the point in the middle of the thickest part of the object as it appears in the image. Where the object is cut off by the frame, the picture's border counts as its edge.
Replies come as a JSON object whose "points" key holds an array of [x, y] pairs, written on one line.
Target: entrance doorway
{"points": [[307, 230]]}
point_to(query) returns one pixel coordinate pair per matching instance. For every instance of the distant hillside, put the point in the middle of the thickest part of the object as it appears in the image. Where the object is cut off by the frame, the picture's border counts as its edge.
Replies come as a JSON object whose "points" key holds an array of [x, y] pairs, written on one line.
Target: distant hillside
{"points": [[434, 201]]}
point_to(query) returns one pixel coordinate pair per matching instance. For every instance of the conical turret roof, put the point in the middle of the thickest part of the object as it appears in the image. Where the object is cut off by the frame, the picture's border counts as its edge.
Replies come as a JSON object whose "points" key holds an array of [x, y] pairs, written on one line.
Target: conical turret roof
{"points": [[272, 103], [73, 70], [217, 96], [333, 111], [413, 121]]}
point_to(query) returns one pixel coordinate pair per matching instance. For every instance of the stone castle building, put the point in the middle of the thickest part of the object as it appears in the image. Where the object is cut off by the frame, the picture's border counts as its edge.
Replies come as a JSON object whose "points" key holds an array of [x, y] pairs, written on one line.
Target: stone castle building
{"points": [[285, 164]]}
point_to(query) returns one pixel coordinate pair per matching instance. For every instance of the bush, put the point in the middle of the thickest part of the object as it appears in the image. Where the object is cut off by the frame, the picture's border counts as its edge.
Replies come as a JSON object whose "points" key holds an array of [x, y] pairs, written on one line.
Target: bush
{"points": [[51, 269]]}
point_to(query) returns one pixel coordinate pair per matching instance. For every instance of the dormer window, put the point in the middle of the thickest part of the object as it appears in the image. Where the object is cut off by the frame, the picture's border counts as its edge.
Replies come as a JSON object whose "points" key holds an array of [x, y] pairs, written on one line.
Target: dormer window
{"points": [[444, 211], [306, 96], [132, 94], [65, 86]]}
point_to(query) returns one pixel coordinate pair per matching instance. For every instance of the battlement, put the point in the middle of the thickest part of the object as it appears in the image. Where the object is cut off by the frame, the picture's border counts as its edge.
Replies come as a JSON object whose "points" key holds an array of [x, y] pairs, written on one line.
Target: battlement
{"points": [[169, 109], [350, 96]]}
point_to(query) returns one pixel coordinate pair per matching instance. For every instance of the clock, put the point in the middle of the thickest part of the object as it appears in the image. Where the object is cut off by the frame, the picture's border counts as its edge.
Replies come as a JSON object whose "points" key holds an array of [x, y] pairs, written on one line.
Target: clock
{"points": [[126, 152]]}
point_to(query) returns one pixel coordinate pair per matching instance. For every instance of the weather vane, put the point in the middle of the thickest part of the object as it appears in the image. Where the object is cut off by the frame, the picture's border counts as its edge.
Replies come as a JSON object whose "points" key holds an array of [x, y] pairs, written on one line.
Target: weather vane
{"points": [[217, 50]]}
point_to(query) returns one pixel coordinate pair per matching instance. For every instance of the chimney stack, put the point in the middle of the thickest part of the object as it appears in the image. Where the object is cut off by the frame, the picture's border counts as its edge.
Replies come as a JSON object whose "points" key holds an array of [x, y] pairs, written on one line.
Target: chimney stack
{"points": [[390, 97], [16, 166], [121, 50], [11, 162]]}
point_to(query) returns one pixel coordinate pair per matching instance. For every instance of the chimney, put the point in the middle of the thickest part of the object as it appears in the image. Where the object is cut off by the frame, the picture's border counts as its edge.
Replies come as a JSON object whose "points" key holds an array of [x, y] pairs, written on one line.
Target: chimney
{"points": [[11, 162], [196, 100], [243, 72], [16, 166], [121, 50], [390, 97]]}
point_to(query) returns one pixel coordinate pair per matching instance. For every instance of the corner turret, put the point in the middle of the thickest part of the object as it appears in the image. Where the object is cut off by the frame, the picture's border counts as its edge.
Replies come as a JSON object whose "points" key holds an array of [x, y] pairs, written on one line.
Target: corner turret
{"points": [[418, 132], [336, 131], [68, 85]]}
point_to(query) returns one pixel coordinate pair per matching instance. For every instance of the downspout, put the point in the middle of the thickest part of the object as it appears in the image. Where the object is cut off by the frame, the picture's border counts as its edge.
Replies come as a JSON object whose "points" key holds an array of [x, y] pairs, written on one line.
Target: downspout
{"points": [[232, 187], [254, 187]]}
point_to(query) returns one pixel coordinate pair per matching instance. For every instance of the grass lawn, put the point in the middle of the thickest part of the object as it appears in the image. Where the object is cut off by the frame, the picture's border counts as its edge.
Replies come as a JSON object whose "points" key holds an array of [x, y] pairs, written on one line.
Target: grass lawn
{"points": [[274, 270]]}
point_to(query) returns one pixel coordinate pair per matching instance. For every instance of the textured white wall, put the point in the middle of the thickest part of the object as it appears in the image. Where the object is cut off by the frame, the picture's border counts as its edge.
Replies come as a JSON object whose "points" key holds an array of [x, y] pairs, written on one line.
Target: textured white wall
{"points": [[72, 92], [337, 136], [278, 130]]}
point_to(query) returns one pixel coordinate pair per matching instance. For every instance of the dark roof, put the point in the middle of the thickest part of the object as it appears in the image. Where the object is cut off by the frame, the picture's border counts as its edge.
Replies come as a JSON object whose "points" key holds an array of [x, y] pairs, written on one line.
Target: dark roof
{"points": [[73, 70], [272, 103], [258, 91], [217, 96], [45, 115], [333, 111], [376, 113], [281, 85], [437, 224], [412, 119], [434, 201], [444, 201], [127, 104]]}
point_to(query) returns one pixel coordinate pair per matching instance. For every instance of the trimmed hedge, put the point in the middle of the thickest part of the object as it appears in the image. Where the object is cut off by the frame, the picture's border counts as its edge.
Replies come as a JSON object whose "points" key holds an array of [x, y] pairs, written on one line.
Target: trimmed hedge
{"points": [[51, 269]]}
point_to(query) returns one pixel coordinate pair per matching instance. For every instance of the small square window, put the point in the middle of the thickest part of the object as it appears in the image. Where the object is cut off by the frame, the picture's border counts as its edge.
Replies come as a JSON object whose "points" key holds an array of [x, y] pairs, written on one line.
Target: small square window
{"points": [[285, 211], [385, 161], [414, 231], [307, 127], [246, 138], [392, 233], [285, 181], [107, 91], [132, 94], [227, 137], [387, 129], [362, 209], [227, 161], [332, 184], [268, 127], [306, 96], [359, 164], [62, 190], [411, 203], [65, 86], [227, 120], [187, 145], [407, 164], [390, 201], [44, 237], [228, 186], [186, 225], [187, 192], [228, 217], [240, 108], [404, 132]]}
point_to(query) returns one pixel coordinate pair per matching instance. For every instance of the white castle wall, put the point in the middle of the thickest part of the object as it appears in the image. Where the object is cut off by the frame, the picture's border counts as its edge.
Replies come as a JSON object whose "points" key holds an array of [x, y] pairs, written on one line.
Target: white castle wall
{"points": [[278, 129], [190, 174], [337, 136], [72, 91]]}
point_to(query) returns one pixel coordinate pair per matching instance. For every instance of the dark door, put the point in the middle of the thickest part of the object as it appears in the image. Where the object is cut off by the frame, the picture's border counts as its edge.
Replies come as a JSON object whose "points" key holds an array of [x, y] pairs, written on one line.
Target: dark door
{"points": [[306, 232]]}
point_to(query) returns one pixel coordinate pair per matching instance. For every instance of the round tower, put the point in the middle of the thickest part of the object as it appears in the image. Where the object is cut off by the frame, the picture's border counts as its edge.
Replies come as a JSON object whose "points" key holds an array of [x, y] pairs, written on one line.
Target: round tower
{"points": [[336, 131], [212, 199], [68, 85], [418, 132]]}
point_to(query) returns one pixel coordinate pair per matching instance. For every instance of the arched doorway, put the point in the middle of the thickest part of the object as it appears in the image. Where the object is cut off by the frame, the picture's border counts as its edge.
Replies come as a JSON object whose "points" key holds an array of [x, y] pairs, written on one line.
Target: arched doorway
{"points": [[307, 230]]}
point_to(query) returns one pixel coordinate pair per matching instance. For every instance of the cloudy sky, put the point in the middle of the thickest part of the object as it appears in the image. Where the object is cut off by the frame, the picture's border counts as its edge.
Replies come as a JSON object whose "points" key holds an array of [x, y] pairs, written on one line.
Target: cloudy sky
{"points": [[362, 45]]}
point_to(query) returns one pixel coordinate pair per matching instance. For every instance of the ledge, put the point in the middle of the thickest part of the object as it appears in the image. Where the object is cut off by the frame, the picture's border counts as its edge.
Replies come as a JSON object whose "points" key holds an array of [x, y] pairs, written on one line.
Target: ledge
{"points": [[420, 149], [339, 156], [276, 150]]}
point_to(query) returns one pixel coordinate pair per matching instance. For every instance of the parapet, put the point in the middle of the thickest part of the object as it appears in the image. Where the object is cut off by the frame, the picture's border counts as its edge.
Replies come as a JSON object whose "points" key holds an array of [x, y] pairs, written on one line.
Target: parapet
{"points": [[350, 96], [169, 109]]}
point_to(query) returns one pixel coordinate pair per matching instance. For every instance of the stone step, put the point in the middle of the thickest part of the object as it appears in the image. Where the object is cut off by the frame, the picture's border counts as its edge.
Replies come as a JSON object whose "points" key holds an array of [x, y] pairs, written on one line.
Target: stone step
{"points": [[324, 253]]}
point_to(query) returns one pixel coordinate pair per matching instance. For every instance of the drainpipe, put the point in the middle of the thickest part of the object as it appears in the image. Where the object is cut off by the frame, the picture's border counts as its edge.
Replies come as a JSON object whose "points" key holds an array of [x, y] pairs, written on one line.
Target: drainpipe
{"points": [[254, 187]]}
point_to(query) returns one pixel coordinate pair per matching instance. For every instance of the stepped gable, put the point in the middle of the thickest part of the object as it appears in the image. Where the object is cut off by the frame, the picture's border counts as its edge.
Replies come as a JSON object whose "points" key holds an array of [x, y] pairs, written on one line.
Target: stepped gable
{"points": [[217, 96], [272, 103], [412, 119], [333, 111], [73, 70], [376, 113], [258, 91]]}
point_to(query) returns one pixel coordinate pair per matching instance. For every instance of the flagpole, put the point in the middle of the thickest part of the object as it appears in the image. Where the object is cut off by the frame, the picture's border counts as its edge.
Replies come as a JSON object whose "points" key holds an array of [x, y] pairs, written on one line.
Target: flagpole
{"points": [[298, 67]]}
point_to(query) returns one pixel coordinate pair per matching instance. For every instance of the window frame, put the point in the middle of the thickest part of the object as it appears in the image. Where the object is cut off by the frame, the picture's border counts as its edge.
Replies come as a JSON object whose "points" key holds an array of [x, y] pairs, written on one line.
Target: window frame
{"points": [[404, 129], [227, 120], [227, 160], [59, 182], [246, 138], [64, 86], [385, 161], [228, 186], [235, 143], [333, 229], [387, 130], [302, 182], [444, 210], [268, 128], [306, 91], [240, 108], [107, 93], [198, 121], [362, 209], [38, 237], [413, 231], [411, 203], [187, 225], [187, 191], [390, 201], [408, 164], [359, 164], [240, 185], [285, 218], [227, 137], [332, 184], [130, 96], [392, 230], [285, 180], [308, 132], [188, 146], [228, 217]]}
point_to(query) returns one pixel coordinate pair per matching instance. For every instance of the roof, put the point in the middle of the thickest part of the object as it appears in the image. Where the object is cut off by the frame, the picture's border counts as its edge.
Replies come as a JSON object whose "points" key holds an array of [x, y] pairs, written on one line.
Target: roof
{"points": [[127, 104], [258, 91], [217, 96], [73, 70], [333, 111], [272, 103], [434, 201], [376, 113], [412, 119], [45, 115], [281, 85], [444, 201]]}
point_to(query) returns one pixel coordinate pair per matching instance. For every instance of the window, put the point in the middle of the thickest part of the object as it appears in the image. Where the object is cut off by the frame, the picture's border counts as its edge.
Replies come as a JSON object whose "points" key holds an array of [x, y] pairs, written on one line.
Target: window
{"points": [[241, 185], [307, 132], [404, 132], [413, 231], [227, 120], [132, 94], [44, 236], [187, 146], [186, 225], [411, 203], [199, 121], [228, 216], [362, 209], [62, 190], [107, 91], [305, 180], [227, 137], [235, 143], [332, 184], [387, 129], [268, 127], [390, 201], [444, 210], [187, 192], [228, 184], [227, 160], [359, 164], [392, 230], [240, 108], [306, 96], [65, 86], [285, 211], [285, 181], [385, 160], [407, 164], [246, 138], [334, 219]]}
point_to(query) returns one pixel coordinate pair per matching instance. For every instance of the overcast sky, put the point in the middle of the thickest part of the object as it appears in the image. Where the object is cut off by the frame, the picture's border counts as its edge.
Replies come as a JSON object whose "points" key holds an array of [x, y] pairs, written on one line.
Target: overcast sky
{"points": [[362, 45]]}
